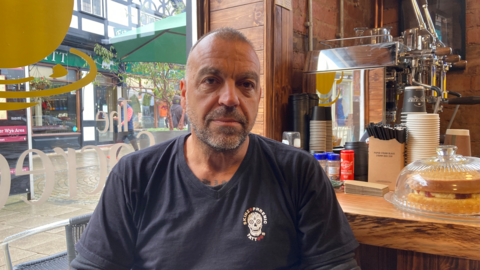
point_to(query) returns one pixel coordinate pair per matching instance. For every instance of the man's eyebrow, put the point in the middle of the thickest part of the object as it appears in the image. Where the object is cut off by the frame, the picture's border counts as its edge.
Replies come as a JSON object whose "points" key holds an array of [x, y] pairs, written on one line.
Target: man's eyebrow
{"points": [[208, 71], [248, 75]]}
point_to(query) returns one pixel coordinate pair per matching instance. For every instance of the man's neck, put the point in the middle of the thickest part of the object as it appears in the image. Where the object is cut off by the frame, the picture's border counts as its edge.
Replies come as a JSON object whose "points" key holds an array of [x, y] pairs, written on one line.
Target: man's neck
{"points": [[206, 163]]}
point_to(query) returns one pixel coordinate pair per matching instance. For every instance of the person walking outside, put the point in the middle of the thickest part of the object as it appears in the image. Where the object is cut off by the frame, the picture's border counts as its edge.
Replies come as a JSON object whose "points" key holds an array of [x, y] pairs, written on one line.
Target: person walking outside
{"points": [[121, 136]]}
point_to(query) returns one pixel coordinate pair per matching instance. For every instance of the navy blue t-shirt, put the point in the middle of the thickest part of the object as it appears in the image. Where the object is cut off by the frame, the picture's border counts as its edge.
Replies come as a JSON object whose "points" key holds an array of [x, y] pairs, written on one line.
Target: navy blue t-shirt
{"points": [[278, 211]]}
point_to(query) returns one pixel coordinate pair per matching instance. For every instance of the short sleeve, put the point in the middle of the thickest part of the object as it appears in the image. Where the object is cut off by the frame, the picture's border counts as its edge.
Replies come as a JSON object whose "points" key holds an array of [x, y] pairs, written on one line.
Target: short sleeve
{"points": [[109, 239], [324, 231]]}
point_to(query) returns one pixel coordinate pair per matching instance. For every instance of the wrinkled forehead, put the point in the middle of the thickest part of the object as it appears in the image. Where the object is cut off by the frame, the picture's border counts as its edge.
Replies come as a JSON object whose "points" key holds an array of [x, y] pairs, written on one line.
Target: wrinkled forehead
{"points": [[218, 52]]}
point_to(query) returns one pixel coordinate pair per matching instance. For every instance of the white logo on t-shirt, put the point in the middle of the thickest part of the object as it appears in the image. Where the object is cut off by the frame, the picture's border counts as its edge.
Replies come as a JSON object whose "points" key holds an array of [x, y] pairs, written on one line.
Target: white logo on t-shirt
{"points": [[255, 218]]}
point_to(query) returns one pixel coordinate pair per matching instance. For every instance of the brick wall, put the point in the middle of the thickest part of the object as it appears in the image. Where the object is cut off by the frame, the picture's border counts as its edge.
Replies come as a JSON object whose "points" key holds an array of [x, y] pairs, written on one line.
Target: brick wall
{"points": [[467, 82], [325, 26]]}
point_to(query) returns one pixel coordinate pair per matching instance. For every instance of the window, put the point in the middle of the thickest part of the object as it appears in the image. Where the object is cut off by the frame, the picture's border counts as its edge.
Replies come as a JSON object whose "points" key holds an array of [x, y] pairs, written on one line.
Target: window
{"points": [[58, 113], [94, 7], [64, 128], [146, 18]]}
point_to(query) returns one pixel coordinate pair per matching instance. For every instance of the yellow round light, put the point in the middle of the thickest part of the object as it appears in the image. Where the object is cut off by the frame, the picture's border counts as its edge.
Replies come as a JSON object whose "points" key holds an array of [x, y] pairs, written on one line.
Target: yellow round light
{"points": [[33, 29]]}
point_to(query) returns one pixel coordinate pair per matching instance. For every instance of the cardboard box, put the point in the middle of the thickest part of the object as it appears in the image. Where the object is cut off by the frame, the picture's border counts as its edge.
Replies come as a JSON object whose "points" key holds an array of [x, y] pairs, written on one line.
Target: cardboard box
{"points": [[385, 161]]}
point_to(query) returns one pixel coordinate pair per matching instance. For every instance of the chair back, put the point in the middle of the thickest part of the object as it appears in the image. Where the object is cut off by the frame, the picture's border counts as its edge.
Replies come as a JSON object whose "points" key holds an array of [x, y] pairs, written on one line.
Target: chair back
{"points": [[74, 231]]}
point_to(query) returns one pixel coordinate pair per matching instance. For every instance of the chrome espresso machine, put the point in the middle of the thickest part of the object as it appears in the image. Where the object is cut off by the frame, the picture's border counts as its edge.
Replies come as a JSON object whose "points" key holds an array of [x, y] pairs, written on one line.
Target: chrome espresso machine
{"points": [[416, 58]]}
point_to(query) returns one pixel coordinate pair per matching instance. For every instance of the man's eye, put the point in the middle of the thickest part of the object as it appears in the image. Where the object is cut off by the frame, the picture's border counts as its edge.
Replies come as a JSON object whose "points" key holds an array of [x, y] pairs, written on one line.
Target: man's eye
{"points": [[248, 85], [210, 80]]}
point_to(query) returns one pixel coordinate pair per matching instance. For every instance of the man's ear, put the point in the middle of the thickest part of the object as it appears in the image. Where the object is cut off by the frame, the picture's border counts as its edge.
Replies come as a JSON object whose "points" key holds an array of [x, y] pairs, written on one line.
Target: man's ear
{"points": [[183, 88]]}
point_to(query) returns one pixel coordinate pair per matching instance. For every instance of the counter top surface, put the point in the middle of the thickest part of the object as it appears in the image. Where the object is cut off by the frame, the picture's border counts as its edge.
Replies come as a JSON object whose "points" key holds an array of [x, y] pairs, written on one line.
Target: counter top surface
{"points": [[379, 207], [376, 222]]}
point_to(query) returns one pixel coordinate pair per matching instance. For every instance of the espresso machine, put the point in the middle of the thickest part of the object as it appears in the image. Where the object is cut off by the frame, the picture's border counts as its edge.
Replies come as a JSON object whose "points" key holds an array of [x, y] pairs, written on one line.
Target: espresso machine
{"points": [[416, 58]]}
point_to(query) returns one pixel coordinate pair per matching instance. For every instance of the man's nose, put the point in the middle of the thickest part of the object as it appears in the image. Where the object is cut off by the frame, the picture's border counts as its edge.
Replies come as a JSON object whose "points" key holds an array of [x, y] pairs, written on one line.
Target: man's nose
{"points": [[228, 95]]}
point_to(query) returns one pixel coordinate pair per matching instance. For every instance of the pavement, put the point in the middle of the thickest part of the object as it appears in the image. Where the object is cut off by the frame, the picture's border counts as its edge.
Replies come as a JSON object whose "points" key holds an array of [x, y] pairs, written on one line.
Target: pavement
{"points": [[17, 216]]}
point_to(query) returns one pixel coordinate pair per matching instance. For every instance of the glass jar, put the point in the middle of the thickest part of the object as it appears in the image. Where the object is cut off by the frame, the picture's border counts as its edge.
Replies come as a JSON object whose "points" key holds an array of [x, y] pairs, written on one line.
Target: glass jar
{"points": [[322, 160], [333, 167], [447, 184]]}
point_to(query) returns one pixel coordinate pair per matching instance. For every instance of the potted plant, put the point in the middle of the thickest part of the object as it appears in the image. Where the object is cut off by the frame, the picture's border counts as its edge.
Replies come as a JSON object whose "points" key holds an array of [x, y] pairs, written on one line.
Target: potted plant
{"points": [[40, 83]]}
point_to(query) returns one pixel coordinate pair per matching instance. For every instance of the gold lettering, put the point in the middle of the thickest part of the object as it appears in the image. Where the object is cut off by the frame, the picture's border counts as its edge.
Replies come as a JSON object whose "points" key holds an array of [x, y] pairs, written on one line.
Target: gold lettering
{"points": [[104, 119], [103, 168], [151, 139], [113, 153], [48, 170], [72, 169], [6, 181], [111, 120]]}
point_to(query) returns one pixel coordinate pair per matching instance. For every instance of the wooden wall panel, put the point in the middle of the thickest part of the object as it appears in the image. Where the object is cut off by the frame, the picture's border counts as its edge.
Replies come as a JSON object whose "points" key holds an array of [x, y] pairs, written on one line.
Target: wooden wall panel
{"points": [[258, 128], [375, 91], [262, 84], [223, 4], [255, 35], [286, 73], [260, 57], [240, 17], [278, 68], [378, 258], [269, 6]]}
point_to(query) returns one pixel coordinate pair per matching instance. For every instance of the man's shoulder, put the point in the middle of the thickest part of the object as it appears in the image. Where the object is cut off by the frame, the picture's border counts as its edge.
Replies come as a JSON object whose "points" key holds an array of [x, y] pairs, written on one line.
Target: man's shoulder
{"points": [[147, 159], [282, 153]]}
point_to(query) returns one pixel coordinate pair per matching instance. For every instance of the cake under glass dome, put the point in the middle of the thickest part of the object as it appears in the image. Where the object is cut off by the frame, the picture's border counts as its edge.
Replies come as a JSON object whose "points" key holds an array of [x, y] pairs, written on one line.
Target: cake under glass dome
{"points": [[448, 184]]}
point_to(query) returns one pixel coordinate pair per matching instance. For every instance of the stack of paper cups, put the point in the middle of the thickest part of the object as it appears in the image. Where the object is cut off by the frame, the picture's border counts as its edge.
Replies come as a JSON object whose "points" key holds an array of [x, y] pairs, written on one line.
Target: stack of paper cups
{"points": [[329, 143], [423, 136], [328, 114], [321, 129], [318, 135]]}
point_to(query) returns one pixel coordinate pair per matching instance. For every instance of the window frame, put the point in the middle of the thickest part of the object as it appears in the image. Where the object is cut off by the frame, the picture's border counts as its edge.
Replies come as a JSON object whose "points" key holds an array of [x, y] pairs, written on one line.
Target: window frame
{"points": [[102, 6], [77, 70]]}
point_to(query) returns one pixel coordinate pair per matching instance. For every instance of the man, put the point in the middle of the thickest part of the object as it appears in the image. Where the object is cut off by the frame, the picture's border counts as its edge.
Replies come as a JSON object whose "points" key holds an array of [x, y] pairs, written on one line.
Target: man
{"points": [[220, 197], [146, 104], [162, 114], [340, 109], [121, 136], [177, 112]]}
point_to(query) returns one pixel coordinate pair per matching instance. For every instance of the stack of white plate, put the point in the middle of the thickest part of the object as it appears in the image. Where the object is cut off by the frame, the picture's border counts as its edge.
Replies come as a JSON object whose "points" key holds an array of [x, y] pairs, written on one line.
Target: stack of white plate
{"points": [[423, 136], [318, 135], [329, 143], [405, 114]]}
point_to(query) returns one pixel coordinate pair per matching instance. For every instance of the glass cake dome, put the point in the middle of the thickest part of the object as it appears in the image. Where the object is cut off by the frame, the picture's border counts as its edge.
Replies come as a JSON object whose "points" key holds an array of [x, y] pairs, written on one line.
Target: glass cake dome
{"points": [[448, 184]]}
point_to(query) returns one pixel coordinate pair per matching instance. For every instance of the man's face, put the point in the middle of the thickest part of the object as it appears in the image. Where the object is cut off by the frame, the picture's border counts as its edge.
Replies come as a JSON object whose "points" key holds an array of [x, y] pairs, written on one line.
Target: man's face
{"points": [[222, 92]]}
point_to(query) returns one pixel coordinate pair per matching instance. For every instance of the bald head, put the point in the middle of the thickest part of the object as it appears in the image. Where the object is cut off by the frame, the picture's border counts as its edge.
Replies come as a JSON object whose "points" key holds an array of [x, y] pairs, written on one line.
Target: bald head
{"points": [[226, 34]]}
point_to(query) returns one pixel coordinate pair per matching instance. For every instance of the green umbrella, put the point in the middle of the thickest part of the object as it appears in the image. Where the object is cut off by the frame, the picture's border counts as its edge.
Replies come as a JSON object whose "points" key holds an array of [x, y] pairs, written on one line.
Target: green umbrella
{"points": [[161, 41]]}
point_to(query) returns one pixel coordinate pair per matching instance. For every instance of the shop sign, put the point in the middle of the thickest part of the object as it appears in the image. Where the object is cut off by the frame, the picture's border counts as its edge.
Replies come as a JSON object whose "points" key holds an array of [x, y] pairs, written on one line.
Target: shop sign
{"points": [[13, 139], [119, 31], [69, 59], [3, 114], [13, 130]]}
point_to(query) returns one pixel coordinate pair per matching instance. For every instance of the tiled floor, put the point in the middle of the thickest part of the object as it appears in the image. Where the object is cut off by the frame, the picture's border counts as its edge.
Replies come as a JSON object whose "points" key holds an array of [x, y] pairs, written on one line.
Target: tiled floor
{"points": [[15, 218]]}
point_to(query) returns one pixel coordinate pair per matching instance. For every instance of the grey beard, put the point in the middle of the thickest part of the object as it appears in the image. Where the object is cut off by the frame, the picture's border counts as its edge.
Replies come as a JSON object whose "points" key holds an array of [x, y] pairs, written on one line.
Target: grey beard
{"points": [[228, 138]]}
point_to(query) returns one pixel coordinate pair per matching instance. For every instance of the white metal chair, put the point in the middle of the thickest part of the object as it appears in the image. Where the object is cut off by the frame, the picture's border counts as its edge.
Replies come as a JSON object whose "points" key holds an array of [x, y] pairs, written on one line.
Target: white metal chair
{"points": [[74, 228]]}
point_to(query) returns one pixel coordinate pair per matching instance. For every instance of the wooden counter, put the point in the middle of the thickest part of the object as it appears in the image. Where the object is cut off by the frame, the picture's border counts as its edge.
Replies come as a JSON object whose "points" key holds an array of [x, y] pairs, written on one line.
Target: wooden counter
{"points": [[394, 239]]}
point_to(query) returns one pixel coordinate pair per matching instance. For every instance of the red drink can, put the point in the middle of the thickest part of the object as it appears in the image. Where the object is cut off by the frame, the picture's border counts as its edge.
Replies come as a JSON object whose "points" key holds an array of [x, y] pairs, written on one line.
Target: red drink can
{"points": [[346, 166]]}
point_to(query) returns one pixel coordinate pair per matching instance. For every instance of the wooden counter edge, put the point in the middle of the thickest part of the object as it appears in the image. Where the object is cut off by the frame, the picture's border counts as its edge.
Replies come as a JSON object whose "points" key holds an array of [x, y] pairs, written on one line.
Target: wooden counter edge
{"points": [[376, 222]]}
